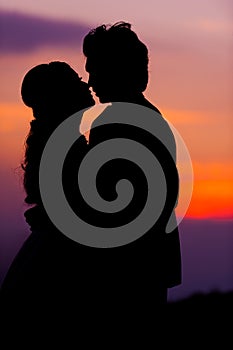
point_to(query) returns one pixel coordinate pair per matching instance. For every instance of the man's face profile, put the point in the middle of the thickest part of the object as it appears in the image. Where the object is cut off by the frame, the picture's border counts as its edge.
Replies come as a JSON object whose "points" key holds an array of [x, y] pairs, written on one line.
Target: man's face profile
{"points": [[102, 80]]}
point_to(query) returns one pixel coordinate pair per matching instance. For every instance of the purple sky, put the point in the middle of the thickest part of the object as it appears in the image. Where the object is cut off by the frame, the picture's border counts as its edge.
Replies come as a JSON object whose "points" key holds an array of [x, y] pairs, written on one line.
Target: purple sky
{"points": [[20, 33]]}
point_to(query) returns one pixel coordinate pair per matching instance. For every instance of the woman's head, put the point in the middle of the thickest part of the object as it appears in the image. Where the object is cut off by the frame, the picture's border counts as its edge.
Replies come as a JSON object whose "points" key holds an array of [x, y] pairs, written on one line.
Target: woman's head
{"points": [[54, 91]]}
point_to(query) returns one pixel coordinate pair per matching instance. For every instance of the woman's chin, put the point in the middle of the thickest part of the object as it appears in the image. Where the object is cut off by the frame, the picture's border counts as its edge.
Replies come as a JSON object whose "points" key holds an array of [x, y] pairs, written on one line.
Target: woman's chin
{"points": [[92, 102], [89, 104]]}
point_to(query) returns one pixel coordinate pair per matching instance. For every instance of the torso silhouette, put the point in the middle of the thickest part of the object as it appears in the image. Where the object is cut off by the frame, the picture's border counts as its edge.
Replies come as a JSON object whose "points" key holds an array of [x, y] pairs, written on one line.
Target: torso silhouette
{"points": [[140, 270]]}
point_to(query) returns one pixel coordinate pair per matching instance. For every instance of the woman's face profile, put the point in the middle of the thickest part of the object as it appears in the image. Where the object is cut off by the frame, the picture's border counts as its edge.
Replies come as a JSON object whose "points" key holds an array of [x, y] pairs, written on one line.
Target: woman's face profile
{"points": [[55, 87]]}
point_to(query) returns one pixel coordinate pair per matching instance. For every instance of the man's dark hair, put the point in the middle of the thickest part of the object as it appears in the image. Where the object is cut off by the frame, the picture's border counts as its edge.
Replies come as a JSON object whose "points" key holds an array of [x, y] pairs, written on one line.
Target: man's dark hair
{"points": [[116, 50]]}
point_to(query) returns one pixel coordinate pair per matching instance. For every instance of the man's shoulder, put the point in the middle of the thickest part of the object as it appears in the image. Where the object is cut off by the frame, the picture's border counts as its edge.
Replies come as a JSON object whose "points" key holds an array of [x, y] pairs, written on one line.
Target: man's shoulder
{"points": [[126, 112], [148, 104], [144, 116]]}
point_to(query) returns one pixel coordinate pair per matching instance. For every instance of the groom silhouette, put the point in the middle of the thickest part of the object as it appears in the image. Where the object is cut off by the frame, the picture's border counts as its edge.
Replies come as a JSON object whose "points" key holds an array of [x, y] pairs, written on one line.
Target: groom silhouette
{"points": [[142, 271]]}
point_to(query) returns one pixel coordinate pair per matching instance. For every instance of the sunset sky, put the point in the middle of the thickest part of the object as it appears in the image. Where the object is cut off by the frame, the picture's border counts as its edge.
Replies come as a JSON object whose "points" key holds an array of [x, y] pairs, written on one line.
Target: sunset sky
{"points": [[191, 81]]}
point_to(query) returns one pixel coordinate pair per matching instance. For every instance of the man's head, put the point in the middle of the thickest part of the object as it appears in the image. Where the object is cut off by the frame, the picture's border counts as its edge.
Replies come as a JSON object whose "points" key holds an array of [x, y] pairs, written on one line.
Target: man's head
{"points": [[117, 62]]}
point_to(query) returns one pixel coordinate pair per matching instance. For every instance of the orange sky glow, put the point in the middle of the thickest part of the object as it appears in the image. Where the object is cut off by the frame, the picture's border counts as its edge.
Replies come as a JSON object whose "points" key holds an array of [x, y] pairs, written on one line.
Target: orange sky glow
{"points": [[212, 189]]}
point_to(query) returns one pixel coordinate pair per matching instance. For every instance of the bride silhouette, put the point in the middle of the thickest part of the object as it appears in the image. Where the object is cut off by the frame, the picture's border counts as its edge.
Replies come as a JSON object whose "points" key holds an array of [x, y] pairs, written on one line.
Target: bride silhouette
{"points": [[48, 267]]}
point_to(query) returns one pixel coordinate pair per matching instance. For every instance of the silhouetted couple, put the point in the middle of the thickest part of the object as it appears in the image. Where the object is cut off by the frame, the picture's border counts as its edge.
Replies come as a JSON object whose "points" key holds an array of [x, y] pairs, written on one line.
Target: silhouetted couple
{"points": [[53, 275]]}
